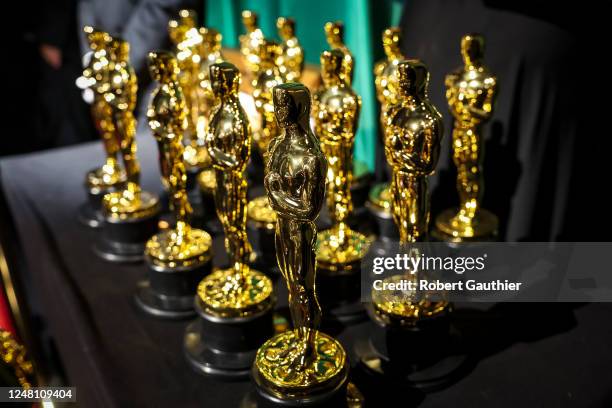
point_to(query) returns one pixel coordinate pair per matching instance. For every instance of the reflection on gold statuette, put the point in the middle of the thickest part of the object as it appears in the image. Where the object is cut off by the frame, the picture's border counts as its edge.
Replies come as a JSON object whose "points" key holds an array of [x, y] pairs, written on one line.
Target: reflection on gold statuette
{"points": [[412, 146], [182, 246], [239, 290], [302, 362], [131, 202], [188, 43], [291, 60], [471, 92], [96, 76], [336, 110]]}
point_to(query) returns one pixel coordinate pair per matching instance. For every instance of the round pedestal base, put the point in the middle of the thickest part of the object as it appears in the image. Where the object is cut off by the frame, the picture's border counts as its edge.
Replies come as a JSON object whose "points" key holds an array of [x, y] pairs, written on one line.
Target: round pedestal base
{"points": [[168, 293], [428, 356], [89, 217], [383, 219], [449, 228], [119, 252], [339, 294], [124, 240], [164, 307], [225, 348], [335, 397]]}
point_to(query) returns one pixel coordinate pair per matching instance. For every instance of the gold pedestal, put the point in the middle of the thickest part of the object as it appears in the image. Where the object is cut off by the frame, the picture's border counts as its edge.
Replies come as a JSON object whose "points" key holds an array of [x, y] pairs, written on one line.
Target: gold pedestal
{"points": [[453, 226], [326, 374]]}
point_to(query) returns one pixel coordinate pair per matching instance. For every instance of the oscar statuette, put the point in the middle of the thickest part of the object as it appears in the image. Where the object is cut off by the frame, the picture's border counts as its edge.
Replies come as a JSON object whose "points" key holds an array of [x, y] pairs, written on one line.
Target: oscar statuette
{"points": [[291, 60], [340, 249], [131, 214], [234, 304], [362, 177], [386, 81], [210, 53], [301, 366], [261, 218], [251, 41], [411, 336], [179, 257], [94, 81], [471, 91]]}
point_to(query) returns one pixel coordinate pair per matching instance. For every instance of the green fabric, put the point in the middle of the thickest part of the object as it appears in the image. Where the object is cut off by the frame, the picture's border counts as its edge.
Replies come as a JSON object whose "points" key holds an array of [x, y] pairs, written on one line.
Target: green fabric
{"points": [[364, 21]]}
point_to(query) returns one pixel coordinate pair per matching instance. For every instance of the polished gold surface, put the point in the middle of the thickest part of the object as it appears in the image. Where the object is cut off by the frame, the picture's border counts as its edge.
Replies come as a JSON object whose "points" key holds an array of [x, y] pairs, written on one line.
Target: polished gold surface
{"points": [[130, 202], [238, 290], [300, 360], [328, 362], [413, 133], [291, 59], [207, 180], [267, 78], [251, 41], [181, 246], [335, 111], [96, 76], [188, 43], [14, 354], [471, 92], [334, 33], [385, 71]]}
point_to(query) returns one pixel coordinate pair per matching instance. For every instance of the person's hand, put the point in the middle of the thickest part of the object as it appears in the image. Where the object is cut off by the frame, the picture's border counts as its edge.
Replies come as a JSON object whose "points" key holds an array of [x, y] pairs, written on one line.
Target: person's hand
{"points": [[52, 55]]}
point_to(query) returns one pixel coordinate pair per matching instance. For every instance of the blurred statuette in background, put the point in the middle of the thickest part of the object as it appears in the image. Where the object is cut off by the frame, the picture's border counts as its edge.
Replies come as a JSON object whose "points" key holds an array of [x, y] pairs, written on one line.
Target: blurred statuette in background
{"points": [[95, 81], [188, 43], [471, 91], [234, 304], [131, 214], [179, 257], [387, 86], [250, 42], [340, 249], [334, 33], [302, 366], [291, 59], [261, 217]]}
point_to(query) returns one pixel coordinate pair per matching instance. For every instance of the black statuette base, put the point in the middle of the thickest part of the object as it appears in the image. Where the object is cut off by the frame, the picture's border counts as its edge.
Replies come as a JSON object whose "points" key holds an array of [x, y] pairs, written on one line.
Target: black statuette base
{"points": [[262, 240], [225, 348], [339, 294], [428, 356], [124, 240], [335, 397], [168, 292]]}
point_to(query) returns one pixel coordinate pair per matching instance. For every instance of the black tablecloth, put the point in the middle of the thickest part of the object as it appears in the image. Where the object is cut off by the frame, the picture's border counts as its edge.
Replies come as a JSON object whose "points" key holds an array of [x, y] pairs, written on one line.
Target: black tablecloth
{"points": [[528, 355]]}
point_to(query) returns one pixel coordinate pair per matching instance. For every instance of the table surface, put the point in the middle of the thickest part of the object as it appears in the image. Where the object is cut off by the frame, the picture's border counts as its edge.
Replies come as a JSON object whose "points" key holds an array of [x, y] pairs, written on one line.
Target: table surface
{"points": [[527, 354]]}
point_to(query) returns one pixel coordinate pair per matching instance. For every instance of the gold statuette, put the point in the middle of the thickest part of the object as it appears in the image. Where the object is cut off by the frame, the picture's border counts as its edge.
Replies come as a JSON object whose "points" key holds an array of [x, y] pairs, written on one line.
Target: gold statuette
{"points": [[301, 362], [386, 81], [182, 246], [239, 290], [471, 92], [412, 146], [334, 33], [291, 60], [250, 42], [131, 202], [97, 78], [268, 77], [188, 46], [335, 111]]}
